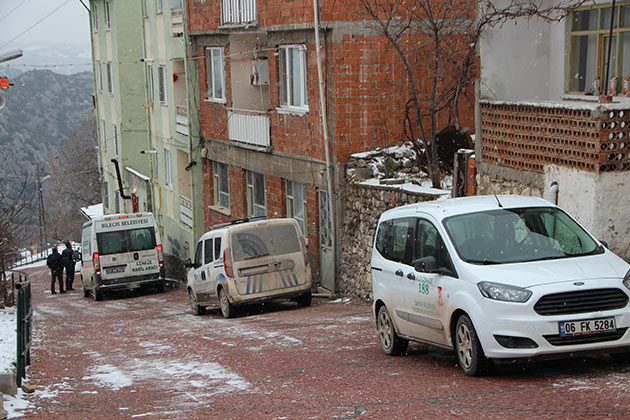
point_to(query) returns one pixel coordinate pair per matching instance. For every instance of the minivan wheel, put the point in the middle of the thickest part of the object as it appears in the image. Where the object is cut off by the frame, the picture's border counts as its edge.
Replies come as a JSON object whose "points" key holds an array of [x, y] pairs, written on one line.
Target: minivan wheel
{"points": [[227, 309], [196, 308], [390, 342], [86, 292], [97, 294], [469, 352], [304, 300]]}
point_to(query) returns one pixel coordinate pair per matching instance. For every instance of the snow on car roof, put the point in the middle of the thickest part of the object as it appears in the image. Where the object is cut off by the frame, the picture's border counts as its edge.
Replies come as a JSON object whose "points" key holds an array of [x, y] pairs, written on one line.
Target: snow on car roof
{"points": [[441, 209]]}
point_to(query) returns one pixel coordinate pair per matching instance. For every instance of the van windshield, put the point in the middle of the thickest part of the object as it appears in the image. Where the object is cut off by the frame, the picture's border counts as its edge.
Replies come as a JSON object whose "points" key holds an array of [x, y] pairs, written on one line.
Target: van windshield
{"points": [[518, 235], [125, 240], [263, 241]]}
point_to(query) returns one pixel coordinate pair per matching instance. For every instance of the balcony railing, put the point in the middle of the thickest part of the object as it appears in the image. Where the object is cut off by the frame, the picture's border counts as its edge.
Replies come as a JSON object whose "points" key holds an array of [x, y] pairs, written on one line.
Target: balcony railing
{"points": [[234, 12], [181, 118], [186, 211], [177, 22], [249, 127]]}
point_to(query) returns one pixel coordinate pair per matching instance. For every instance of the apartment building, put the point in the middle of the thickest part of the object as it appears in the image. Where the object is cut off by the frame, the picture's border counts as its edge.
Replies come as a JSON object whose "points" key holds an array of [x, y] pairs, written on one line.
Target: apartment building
{"points": [[265, 150], [142, 111]]}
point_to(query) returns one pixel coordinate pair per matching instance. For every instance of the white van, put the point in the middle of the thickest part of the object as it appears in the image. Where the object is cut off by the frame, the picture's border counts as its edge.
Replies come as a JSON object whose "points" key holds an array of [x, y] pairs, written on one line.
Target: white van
{"points": [[121, 251], [497, 278], [244, 262]]}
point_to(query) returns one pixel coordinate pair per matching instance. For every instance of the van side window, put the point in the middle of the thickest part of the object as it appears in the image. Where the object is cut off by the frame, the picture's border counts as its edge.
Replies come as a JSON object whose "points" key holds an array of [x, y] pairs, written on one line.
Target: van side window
{"points": [[394, 240], [207, 252], [429, 244], [217, 248], [198, 254]]}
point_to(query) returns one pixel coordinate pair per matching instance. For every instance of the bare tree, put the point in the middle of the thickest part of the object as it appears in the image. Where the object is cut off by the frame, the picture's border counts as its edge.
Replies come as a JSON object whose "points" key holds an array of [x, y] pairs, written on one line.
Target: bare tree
{"points": [[437, 43], [75, 179]]}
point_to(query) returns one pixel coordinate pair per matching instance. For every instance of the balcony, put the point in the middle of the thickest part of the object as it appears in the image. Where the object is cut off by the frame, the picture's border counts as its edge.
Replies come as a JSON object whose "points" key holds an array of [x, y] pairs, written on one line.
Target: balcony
{"points": [[238, 12], [181, 118], [177, 22], [249, 127]]}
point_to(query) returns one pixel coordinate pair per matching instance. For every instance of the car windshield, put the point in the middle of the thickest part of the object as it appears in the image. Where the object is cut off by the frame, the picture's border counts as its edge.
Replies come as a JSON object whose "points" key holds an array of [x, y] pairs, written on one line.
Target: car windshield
{"points": [[518, 235]]}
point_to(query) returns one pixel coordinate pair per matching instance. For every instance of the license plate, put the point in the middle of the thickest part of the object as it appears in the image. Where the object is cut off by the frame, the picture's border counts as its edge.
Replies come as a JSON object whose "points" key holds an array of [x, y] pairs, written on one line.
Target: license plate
{"points": [[588, 326], [115, 270]]}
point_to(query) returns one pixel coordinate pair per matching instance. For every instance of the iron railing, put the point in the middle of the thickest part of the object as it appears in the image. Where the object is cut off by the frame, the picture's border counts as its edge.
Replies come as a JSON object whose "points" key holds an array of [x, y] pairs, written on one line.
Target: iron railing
{"points": [[24, 325]]}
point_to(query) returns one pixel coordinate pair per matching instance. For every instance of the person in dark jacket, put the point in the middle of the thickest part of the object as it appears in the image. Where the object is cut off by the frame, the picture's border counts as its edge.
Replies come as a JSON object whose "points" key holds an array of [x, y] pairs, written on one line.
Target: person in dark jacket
{"points": [[68, 262], [55, 263]]}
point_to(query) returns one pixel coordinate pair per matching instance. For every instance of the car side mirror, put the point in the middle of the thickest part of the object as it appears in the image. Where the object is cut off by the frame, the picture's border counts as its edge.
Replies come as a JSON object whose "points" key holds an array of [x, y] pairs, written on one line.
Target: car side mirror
{"points": [[604, 243], [425, 264], [188, 263]]}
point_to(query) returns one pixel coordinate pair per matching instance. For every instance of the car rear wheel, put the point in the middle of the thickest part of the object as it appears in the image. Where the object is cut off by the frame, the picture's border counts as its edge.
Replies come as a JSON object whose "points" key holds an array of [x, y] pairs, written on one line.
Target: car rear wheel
{"points": [[97, 294], [227, 309], [304, 300], [621, 357], [469, 351], [390, 342], [196, 308], [86, 292]]}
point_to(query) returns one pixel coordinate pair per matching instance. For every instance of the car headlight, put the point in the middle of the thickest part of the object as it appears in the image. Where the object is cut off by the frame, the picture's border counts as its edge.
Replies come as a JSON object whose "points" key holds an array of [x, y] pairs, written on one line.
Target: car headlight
{"points": [[626, 280], [498, 291]]}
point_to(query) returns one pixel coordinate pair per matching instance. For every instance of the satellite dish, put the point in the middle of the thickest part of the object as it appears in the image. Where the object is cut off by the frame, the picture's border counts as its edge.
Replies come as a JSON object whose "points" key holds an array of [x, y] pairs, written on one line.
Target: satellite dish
{"points": [[3, 101]]}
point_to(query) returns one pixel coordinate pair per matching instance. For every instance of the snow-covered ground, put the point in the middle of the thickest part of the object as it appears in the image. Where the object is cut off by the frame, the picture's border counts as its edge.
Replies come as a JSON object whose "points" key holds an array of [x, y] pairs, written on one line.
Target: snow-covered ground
{"points": [[7, 340]]}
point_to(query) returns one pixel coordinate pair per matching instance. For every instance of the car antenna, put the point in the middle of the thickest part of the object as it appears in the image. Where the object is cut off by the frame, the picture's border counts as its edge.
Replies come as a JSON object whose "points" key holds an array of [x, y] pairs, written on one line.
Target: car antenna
{"points": [[500, 205]]}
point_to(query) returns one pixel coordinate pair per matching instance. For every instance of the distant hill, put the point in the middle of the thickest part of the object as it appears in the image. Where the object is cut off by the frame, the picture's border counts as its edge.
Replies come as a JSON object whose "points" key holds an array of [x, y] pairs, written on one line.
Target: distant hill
{"points": [[42, 108]]}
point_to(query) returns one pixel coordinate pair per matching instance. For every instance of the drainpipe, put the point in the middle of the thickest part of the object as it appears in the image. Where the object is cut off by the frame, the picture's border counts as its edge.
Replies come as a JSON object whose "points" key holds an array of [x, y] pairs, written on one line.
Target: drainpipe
{"points": [[322, 101], [120, 184]]}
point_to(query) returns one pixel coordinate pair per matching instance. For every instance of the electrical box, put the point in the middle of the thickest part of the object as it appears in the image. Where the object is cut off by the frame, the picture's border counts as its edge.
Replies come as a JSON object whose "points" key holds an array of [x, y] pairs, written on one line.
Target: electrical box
{"points": [[260, 72]]}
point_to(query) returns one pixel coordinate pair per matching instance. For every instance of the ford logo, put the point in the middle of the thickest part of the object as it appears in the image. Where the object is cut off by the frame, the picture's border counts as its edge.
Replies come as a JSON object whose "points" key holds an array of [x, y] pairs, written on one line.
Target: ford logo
{"points": [[578, 283]]}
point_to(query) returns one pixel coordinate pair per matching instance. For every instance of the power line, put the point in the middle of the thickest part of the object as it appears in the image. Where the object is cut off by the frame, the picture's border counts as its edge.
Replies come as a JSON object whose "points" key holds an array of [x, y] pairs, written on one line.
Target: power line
{"points": [[35, 24], [12, 10]]}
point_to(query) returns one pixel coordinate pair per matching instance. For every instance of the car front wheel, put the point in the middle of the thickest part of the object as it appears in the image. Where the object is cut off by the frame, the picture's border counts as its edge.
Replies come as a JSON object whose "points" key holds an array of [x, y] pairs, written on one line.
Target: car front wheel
{"points": [[469, 352], [196, 308], [390, 342]]}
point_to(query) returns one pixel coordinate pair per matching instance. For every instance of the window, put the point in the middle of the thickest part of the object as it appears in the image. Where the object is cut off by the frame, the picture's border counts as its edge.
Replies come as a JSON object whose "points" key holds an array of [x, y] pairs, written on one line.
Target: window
{"points": [[110, 78], [151, 83], [256, 190], [175, 4], [199, 254], [104, 134], [394, 240], [217, 248], [588, 47], [99, 70], [107, 17], [115, 139], [94, 18], [158, 6], [296, 203], [429, 244], [207, 251], [145, 8], [126, 241], [167, 165], [162, 82], [221, 182], [293, 92], [215, 74], [105, 195]]}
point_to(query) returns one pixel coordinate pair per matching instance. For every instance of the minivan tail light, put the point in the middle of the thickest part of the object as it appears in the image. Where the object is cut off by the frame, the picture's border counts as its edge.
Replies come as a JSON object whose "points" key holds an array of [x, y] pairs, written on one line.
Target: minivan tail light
{"points": [[160, 254], [304, 250], [97, 263], [227, 262]]}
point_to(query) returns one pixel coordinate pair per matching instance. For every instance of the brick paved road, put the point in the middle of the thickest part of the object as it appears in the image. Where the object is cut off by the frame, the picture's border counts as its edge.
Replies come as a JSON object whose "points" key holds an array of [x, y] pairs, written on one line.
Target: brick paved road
{"points": [[147, 356]]}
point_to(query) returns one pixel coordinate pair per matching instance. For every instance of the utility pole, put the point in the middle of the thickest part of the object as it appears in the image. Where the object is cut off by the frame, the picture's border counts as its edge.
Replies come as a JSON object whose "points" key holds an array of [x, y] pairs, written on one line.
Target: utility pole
{"points": [[42, 214]]}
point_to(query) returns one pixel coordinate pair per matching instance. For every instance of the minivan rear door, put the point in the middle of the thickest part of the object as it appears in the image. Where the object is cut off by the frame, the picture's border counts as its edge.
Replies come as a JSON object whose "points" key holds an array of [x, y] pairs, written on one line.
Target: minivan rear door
{"points": [[128, 253]]}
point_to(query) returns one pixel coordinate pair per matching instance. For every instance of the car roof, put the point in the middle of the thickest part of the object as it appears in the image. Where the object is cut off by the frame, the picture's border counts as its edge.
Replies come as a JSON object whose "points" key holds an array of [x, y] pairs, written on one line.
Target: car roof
{"points": [[441, 209], [244, 226]]}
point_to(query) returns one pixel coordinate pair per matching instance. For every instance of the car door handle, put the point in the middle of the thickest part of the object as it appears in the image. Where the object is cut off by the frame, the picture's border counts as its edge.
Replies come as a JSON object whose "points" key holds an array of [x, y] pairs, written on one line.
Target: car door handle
{"points": [[399, 272], [411, 276], [203, 275]]}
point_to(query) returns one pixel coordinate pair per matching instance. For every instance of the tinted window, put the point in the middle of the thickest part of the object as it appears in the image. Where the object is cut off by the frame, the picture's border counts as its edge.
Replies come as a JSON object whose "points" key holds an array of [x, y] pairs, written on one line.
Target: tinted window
{"points": [[429, 244], [125, 241], [199, 254], [207, 252], [394, 240], [217, 248], [265, 240]]}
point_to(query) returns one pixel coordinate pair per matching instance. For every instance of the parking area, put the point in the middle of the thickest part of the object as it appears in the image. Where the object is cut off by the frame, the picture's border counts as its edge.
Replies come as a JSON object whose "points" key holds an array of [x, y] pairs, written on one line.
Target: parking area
{"points": [[146, 355]]}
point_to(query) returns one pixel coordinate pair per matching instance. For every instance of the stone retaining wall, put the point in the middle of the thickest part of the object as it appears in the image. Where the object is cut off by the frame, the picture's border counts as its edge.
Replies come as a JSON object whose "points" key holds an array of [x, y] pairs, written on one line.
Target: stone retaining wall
{"points": [[364, 206]]}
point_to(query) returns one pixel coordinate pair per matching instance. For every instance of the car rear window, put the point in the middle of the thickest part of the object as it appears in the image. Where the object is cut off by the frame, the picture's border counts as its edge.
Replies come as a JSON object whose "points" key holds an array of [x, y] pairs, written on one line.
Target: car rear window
{"points": [[266, 240], [125, 241]]}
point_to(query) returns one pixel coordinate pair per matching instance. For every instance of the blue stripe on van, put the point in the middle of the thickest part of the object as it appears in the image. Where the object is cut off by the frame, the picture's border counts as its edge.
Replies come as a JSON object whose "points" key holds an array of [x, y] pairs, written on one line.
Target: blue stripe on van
{"points": [[295, 279], [284, 281], [248, 282], [260, 282]]}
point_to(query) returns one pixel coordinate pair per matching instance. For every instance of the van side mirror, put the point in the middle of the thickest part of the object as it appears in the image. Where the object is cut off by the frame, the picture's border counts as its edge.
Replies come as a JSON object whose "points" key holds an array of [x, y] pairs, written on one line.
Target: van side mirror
{"points": [[188, 263], [429, 265], [604, 243]]}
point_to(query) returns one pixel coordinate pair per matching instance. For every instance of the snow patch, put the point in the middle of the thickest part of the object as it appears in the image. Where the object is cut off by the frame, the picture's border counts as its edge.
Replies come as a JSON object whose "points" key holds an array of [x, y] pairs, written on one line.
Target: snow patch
{"points": [[8, 339]]}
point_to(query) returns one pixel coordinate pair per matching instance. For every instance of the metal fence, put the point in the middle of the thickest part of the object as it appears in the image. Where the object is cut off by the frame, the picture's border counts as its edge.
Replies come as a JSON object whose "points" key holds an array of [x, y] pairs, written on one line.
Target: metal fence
{"points": [[18, 258]]}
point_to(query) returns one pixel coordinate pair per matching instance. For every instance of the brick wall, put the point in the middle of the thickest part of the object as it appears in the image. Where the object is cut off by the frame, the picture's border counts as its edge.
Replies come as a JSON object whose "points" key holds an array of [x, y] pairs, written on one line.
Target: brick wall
{"points": [[592, 138]]}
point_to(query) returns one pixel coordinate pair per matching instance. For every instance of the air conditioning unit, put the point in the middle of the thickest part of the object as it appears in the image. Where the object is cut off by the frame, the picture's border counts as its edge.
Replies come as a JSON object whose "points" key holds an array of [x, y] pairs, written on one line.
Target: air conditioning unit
{"points": [[260, 72]]}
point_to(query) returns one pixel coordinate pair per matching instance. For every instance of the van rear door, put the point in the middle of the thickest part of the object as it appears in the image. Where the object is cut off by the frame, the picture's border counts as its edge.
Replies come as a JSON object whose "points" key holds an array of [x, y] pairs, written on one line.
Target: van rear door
{"points": [[128, 253]]}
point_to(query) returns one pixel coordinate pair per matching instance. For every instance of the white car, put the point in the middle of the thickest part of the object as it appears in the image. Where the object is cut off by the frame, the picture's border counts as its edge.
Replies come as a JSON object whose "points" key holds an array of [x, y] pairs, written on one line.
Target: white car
{"points": [[496, 277], [244, 262]]}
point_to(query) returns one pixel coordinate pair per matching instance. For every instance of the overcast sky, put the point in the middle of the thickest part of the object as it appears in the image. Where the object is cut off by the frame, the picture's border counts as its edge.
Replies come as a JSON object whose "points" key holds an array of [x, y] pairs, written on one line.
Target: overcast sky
{"points": [[69, 24]]}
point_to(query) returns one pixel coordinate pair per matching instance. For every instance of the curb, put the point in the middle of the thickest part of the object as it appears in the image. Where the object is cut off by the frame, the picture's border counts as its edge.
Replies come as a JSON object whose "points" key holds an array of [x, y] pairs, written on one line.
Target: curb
{"points": [[8, 384]]}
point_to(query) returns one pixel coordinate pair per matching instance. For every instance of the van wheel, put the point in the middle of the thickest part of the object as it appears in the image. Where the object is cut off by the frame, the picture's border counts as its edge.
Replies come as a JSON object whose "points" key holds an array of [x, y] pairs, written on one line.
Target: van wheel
{"points": [[391, 343], [97, 294], [160, 288], [86, 292], [227, 309], [469, 352], [304, 300], [196, 308], [621, 357]]}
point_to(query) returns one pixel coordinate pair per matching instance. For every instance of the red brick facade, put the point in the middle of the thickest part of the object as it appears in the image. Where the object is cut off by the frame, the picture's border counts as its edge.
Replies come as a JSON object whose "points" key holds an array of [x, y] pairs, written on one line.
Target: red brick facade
{"points": [[365, 87]]}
